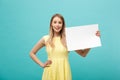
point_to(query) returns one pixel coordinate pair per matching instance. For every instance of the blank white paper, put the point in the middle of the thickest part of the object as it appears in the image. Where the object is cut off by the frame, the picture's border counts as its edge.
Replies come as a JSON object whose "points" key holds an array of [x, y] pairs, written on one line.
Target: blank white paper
{"points": [[82, 37]]}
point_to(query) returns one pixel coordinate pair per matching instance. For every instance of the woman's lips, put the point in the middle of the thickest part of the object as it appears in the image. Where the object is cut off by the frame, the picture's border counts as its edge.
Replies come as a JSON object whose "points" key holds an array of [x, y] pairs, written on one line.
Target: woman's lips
{"points": [[57, 28]]}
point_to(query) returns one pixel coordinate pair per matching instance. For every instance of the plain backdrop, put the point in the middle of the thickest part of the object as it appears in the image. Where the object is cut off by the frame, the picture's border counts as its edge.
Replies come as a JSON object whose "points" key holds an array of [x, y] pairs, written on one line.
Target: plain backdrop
{"points": [[24, 22]]}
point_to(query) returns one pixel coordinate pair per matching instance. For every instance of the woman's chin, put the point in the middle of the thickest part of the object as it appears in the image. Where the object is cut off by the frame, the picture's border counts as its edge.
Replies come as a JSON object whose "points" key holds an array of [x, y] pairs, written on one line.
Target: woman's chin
{"points": [[57, 31]]}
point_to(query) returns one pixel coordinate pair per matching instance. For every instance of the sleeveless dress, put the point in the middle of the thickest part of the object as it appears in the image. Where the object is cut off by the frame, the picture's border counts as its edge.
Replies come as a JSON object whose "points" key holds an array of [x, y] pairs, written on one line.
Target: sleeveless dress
{"points": [[60, 68]]}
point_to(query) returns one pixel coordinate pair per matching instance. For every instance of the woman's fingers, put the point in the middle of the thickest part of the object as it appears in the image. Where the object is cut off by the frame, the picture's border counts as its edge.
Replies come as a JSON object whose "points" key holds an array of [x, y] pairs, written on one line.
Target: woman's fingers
{"points": [[47, 63], [98, 33]]}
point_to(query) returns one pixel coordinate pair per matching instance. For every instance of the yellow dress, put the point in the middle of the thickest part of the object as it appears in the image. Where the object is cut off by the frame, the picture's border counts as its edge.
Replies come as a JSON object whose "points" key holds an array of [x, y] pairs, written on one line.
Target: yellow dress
{"points": [[60, 68]]}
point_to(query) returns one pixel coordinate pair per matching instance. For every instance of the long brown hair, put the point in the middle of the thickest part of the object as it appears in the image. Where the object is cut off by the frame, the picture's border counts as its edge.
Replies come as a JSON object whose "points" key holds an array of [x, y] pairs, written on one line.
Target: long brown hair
{"points": [[62, 32]]}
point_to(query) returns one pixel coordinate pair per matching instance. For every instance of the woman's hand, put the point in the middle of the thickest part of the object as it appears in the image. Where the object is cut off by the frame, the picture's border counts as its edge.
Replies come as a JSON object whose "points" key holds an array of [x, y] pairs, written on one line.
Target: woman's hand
{"points": [[46, 64], [98, 33]]}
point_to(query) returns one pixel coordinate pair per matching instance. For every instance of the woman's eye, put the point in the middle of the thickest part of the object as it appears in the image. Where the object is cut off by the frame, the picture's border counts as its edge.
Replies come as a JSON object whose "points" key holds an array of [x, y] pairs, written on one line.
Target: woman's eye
{"points": [[60, 22], [54, 21]]}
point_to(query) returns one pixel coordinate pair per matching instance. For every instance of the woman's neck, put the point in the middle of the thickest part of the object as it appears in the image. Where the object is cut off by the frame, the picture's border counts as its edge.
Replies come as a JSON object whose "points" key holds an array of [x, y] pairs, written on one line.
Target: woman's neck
{"points": [[56, 34]]}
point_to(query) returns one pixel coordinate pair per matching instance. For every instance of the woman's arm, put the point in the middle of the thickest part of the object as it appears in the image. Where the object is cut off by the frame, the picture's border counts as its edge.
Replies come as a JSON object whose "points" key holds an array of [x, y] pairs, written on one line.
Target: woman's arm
{"points": [[35, 49], [83, 53]]}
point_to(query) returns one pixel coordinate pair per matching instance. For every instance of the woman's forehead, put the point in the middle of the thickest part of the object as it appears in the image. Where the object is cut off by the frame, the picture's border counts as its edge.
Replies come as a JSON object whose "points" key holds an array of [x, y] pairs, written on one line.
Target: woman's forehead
{"points": [[57, 18]]}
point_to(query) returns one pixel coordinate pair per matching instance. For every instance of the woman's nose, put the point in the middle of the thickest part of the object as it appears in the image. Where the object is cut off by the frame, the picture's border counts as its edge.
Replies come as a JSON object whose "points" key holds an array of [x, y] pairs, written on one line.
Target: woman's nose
{"points": [[57, 24]]}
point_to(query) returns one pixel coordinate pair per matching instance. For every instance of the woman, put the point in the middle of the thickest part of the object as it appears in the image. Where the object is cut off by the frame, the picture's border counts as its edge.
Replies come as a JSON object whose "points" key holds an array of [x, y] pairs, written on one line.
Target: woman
{"points": [[57, 66]]}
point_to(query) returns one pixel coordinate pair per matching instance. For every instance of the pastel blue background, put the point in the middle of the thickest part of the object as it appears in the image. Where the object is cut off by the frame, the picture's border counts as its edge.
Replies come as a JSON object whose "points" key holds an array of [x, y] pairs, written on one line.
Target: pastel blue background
{"points": [[24, 22]]}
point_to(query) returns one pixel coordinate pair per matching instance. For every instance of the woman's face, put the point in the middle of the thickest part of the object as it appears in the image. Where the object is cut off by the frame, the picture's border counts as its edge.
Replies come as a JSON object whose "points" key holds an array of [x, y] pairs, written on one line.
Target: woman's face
{"points": [[57, 24]]}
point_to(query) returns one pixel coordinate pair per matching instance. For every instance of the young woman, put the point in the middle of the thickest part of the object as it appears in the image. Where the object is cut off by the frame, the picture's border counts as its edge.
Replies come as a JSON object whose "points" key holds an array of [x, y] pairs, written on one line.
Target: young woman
{"points": [[57, 66]]}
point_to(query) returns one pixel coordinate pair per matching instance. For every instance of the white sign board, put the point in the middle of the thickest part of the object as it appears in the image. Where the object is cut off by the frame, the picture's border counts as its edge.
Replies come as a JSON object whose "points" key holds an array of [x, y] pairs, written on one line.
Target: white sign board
{"points": [[82, 37]]}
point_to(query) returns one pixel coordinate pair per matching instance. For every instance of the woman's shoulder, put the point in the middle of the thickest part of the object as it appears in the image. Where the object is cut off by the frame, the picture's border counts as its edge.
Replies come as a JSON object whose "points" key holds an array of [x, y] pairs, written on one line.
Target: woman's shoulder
{"points": [[45, 37]]}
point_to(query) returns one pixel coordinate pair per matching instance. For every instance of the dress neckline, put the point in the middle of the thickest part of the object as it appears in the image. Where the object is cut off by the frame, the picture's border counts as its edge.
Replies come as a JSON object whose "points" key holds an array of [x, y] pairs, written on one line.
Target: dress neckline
{"points": [[56, 37]]}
